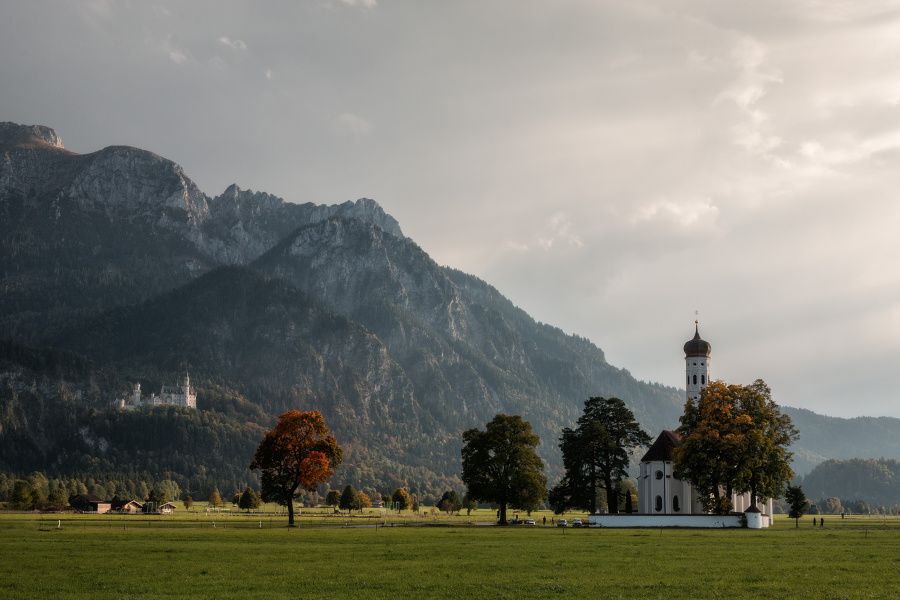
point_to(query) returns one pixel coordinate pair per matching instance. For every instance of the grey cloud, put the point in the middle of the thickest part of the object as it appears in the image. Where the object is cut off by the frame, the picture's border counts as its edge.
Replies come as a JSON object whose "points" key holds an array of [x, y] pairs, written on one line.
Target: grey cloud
{"points": [[610, 166]]}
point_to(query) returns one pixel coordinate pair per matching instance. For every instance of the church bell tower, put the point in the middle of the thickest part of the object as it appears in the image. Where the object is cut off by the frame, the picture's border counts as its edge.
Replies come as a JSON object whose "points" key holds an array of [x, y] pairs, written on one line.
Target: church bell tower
{"points": [[696, 359]]}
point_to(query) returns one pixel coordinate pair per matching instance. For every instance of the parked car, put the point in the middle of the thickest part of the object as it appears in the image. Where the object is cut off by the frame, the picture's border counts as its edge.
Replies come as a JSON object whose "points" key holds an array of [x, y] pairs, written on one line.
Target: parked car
{"points": [[562, 523], [576, 523], [529, 522]]}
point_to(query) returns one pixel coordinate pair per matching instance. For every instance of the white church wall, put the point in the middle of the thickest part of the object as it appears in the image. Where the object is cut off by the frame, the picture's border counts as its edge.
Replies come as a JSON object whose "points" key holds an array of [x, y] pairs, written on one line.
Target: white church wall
{"points": [[656, 521]]}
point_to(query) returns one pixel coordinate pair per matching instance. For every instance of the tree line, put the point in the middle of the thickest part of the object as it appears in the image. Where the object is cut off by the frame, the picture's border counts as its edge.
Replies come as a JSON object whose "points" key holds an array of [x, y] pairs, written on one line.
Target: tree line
{"points": [[37, 491], [733, 439], [873, 480]]}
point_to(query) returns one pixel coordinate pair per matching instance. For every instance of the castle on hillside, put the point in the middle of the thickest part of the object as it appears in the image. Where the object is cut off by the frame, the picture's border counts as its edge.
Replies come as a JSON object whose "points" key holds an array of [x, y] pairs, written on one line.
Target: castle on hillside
{"points": [[172, 395]]}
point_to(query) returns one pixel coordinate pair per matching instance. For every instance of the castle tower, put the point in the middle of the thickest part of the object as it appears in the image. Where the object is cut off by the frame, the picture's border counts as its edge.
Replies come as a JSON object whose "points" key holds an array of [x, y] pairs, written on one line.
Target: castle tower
{"points": [[190, 395], [137, 394], [696, 359]]}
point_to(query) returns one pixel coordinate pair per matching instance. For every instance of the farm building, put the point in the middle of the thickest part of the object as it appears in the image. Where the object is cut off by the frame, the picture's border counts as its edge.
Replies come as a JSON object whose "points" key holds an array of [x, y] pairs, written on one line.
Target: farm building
{"points": [[126, 506], [90, 503]]}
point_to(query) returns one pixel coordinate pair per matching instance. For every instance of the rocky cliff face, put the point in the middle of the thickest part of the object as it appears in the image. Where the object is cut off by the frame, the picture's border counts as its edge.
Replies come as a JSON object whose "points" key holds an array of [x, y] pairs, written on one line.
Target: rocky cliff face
{"points": [[117, 255], [13, 134], [87, 232], [418, 354], [468, 352], [243, 224]]}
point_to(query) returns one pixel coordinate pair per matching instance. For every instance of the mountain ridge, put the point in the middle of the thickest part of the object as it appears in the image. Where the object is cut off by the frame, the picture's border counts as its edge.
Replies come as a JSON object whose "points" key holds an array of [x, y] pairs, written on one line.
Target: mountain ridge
{"points": [[117, 255]]}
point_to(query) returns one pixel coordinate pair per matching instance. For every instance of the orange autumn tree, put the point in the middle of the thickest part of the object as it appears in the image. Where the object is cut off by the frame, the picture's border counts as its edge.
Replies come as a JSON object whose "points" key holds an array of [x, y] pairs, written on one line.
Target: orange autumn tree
{"points": [[298, 453], [734, 438]]}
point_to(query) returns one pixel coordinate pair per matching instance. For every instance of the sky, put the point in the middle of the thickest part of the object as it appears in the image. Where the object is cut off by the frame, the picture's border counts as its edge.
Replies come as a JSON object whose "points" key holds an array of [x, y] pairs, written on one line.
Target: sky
{"points": [[613, 168]]}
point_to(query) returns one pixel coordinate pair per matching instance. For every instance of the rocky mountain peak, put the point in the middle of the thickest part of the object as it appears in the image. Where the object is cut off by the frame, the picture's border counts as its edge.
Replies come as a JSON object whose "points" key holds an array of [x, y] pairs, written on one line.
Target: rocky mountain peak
{"points": [[142, 183], [367, 209], [13, 134], [245, 203]]}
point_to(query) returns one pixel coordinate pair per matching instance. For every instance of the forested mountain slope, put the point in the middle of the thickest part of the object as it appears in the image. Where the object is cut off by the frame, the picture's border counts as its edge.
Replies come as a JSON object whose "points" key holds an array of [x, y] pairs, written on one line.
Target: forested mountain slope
{"points": [[876, 481], [118, 260], [823, 437], [55, 417]]}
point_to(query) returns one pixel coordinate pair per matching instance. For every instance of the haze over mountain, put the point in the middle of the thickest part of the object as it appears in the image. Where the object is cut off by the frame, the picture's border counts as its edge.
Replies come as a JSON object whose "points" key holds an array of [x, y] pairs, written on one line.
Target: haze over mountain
{"points": [[116, 262]]}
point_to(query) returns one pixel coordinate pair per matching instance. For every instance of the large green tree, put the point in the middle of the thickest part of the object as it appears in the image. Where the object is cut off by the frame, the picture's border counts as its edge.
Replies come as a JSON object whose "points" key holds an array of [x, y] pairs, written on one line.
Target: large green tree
{"points": [[22, 495], [333, 498], [796, 499], [401, 498], [297, 453], [596, 455], [58, 497], [768, 462], [349, 499], [469, 503], [250, 500], [501, 465], [450, 502], [734, 438]]}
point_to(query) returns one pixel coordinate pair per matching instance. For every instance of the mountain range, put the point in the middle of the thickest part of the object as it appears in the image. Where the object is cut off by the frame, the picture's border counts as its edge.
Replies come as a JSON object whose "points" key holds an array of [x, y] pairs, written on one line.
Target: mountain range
{"points": [[117, 269]]}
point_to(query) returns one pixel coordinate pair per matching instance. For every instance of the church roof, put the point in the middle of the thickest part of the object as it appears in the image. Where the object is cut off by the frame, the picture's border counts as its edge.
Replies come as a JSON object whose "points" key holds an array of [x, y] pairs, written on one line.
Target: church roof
{"points": [[697, 346], [664, 447]]}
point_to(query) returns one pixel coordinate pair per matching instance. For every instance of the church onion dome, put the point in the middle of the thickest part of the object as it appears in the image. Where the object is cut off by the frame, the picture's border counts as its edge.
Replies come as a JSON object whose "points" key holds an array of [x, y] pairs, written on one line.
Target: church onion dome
{"points": [[696, 346]]}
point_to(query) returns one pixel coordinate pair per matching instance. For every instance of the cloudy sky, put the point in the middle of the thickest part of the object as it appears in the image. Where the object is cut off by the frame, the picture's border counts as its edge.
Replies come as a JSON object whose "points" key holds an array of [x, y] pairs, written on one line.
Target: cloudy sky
{"points": [[610, 166]]}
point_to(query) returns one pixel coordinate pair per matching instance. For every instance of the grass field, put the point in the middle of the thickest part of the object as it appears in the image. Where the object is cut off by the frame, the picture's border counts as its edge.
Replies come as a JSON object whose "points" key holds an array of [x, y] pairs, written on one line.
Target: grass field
{"points": [[106, 556]]}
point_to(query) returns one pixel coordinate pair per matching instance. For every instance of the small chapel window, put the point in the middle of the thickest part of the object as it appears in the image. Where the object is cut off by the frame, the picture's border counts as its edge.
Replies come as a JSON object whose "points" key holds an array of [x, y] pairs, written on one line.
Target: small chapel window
{"points": [[659, 474], [676, 505], [695, 380], [703, 379], [658, 503]]}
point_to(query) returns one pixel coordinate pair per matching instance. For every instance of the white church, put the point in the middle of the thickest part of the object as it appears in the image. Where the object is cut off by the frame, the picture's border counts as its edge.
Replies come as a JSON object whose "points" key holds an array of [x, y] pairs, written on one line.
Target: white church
{"points": [[663, 500]]}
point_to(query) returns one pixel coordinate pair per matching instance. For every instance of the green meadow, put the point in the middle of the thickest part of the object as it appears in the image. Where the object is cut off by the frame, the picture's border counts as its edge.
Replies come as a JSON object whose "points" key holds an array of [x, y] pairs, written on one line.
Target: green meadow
{"points": [[256, 556]]}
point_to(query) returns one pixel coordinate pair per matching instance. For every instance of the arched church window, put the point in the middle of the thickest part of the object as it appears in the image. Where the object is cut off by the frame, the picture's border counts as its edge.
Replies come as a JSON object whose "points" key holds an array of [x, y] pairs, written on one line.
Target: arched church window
{"points": [[676, 504], [703, 379], [695, 380], [658, 503], [659, 474]]}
